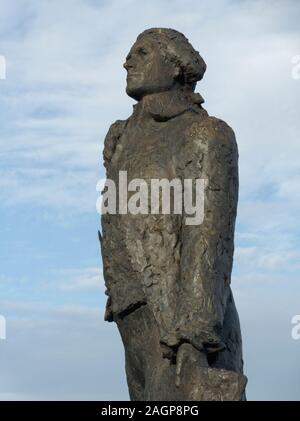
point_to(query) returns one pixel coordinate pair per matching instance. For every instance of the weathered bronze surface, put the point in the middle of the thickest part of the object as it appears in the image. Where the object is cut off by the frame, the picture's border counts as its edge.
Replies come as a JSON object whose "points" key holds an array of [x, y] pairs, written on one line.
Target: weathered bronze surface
{"points": [[168, 283]]}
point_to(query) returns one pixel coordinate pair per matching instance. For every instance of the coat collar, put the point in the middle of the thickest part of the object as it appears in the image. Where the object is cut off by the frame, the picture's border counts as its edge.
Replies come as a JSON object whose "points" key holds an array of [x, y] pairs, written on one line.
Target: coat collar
{"points": [[163, 106]]}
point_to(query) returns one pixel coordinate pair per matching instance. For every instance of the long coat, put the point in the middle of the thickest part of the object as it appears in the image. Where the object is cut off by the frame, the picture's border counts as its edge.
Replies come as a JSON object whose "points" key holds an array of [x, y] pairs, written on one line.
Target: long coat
{"points": [[168, 283]]}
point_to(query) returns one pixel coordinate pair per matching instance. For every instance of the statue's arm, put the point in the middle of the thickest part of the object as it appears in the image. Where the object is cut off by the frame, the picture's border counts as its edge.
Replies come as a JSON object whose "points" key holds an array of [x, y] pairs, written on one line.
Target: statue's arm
{"points": [[111, 139], [207, 249], [108, 240]]}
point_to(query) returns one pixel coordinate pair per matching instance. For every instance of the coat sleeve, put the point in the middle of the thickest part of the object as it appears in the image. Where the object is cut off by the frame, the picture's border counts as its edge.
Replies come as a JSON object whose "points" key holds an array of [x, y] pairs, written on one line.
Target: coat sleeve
{"points": [[207, 248], [111, 139], [110, 247]]}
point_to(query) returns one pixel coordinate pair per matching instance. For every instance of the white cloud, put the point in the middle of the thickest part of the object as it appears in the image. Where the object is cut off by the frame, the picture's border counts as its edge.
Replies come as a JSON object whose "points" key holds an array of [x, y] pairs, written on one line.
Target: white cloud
{"points": [[61, 353], [265, 265], [82, 279]]}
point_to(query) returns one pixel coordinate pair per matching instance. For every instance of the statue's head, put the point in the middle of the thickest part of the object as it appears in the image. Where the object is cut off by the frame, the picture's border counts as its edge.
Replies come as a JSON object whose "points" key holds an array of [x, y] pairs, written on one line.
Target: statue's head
{"points": [[161, 60]]}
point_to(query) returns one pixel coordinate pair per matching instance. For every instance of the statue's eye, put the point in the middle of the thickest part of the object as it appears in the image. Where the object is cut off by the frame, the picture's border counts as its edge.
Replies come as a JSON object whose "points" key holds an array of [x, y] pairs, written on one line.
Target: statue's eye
{"points": [[143, 52]]}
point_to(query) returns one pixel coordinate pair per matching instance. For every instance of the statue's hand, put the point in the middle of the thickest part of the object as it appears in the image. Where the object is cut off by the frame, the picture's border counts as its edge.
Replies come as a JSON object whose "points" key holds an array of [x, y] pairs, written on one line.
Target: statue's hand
{"points": [[187, 354]]}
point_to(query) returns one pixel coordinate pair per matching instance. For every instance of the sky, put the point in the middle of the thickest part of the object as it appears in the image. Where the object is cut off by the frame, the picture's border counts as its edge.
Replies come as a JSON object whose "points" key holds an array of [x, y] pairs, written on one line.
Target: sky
{"points": [[64, 86]]}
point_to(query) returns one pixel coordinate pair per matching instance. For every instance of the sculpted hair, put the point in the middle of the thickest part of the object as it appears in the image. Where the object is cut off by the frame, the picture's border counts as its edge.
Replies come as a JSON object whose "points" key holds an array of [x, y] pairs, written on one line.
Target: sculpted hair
{"points": [[176, 48]]}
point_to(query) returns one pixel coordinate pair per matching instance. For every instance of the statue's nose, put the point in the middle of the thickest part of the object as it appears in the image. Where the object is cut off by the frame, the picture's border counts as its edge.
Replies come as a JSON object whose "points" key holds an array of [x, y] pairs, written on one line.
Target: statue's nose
{"points": [[128, 63]]}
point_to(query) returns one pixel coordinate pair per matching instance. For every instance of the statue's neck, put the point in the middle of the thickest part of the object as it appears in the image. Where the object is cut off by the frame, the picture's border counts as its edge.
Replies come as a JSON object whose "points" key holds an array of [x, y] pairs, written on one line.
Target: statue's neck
{"points": [[165, 105]]}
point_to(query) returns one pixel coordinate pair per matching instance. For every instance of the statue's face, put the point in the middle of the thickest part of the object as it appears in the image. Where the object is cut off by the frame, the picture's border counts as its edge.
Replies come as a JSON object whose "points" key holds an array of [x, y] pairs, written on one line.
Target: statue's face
{"points": [[147, 71]]}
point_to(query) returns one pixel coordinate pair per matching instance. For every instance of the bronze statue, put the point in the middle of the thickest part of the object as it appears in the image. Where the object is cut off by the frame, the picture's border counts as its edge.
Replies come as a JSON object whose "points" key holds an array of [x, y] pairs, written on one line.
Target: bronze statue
{"points": [[168, 283]]}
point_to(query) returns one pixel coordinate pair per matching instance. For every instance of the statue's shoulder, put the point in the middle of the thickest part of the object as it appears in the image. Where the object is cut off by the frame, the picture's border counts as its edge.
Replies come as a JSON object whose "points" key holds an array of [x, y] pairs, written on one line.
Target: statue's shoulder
{"points": [[111, 139], [116, 128], [212, 132], [210, 147]]}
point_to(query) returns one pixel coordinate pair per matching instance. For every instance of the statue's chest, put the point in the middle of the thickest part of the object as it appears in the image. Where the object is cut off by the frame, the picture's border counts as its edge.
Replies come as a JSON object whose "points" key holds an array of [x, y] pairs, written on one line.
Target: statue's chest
{"points": [[149, 151]]}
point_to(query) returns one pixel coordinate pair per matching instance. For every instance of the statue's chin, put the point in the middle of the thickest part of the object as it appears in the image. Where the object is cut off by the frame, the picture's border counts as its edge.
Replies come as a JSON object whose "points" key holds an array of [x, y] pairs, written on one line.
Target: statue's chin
{"points": [[136, 93]]}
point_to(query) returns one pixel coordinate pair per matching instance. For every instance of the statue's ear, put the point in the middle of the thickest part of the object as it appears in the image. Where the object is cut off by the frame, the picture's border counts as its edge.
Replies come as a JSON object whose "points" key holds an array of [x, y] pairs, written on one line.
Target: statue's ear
{"points": [[177, 71], [178, 74]]}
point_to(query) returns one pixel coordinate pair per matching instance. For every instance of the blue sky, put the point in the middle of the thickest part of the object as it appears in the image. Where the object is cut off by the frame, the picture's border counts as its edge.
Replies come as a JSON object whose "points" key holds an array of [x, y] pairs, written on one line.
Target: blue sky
{"points": [[64, 86]]}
